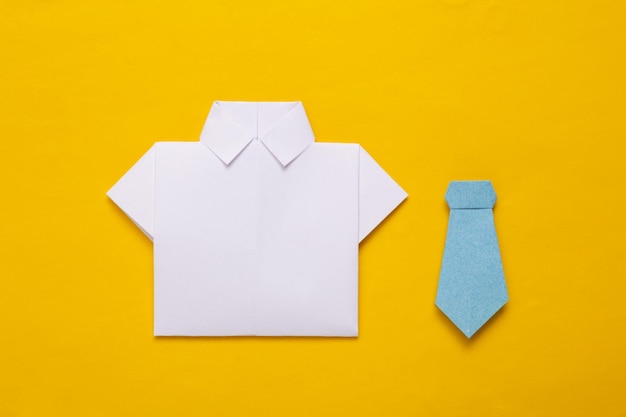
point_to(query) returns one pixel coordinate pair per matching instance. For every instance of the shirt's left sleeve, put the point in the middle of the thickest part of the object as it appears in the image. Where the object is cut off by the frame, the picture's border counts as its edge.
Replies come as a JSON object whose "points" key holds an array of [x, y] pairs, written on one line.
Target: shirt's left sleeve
{"points": [[134, 192], [379, 194]]}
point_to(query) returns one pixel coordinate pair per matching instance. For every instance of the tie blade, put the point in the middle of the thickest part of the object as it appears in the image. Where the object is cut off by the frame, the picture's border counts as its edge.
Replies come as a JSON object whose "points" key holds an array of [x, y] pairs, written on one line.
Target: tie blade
{"points": [[472, 287]]}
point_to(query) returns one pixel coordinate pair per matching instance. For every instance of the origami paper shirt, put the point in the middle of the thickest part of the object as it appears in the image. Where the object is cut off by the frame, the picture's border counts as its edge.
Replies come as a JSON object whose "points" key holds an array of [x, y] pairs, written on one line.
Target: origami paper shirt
{"points": [[256, 227]]}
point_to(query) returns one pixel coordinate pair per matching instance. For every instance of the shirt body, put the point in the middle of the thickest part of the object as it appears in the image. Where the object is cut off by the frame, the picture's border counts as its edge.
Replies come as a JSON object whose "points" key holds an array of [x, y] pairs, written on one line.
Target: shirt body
{"points": [[255, 259]]}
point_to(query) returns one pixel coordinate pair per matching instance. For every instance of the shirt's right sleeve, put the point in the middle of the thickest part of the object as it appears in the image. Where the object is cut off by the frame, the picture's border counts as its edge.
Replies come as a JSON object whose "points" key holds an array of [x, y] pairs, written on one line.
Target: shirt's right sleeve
{"points": [[134, 192], [379, 194]]}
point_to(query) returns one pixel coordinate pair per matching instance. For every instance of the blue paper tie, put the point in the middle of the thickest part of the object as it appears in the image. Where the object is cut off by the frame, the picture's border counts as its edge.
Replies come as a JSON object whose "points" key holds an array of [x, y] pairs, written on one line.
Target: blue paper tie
{"points": [[471, 284]]}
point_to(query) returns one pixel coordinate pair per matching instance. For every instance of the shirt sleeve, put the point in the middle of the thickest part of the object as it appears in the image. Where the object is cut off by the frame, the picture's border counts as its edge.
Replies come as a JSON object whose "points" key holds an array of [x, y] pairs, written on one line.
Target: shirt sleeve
{"points": [[134, 192], [379, 194]]}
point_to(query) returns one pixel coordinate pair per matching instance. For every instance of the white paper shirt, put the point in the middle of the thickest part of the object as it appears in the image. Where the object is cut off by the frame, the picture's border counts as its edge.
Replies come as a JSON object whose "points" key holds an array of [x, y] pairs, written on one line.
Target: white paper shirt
{"points": [[256, 227]]}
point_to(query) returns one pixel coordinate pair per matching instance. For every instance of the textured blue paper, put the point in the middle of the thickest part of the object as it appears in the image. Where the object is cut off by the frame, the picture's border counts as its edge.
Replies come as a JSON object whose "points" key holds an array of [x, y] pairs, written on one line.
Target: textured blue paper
{"points": [[471, 284]]}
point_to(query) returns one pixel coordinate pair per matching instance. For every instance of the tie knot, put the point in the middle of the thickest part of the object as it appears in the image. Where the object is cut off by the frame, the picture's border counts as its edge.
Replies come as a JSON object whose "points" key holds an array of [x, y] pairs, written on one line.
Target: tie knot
{"points": [[470, 195]]}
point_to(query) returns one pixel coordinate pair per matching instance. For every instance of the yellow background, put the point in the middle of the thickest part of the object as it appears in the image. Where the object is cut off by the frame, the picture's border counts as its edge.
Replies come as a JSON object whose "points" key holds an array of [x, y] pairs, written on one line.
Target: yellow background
{"points": [[529, 94]]}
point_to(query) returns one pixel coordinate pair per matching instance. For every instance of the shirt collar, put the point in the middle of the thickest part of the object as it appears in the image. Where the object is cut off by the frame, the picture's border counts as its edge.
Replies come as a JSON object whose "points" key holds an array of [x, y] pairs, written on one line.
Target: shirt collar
{"points": [[281, 126]]}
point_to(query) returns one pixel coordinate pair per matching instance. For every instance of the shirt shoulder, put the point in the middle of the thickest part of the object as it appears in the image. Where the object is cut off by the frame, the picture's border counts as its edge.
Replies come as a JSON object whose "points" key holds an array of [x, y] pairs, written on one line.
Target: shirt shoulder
{"points": [[172, 150], [337, 145]]}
